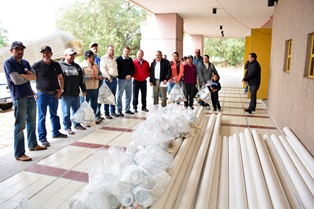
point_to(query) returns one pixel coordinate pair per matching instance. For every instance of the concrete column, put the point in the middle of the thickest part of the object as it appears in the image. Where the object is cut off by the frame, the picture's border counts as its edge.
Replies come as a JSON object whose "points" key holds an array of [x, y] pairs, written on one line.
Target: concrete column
{"points": [[162, 32], [192, 42]]}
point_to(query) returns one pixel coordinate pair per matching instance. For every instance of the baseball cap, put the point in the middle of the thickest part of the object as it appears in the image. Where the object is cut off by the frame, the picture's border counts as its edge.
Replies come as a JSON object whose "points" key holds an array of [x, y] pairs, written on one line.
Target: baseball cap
{"points": [[16, 44], [69, 51], [93, 44], [197, 50], [89, 53], [45, 48]]}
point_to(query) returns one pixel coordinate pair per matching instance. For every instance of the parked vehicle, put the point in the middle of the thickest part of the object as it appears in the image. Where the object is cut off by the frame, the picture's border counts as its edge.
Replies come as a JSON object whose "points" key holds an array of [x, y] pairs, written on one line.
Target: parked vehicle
{"points": [[5, 97]]}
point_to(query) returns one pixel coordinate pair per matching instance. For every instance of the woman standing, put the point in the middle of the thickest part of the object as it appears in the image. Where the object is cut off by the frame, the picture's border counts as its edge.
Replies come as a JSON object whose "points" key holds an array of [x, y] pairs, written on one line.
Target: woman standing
{"points": [[176, 70], [189, 81]]}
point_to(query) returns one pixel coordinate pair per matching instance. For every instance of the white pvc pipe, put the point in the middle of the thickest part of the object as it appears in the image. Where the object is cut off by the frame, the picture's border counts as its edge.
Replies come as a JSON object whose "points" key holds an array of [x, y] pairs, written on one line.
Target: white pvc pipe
{"points": [[232, 187], [248, 175], [276, 192], [213, 201], [241, 200], [290, 191], [303, 154], [263, 199], [188, 197], [303, 191], [223, 195], [204, 193], [298, 164]]}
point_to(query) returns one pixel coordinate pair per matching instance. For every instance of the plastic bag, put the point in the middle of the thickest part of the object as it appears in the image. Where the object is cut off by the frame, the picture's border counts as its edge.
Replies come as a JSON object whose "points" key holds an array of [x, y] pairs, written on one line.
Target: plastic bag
{"points": [[176, 94], [105, 95], [204, 94], [85, 114]]}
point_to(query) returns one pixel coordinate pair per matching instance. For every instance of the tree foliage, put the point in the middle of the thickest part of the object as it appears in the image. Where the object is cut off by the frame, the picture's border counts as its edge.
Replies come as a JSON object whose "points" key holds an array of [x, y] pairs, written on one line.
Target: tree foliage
{"points": [[106, 22], [228, 51], [3, 37]]}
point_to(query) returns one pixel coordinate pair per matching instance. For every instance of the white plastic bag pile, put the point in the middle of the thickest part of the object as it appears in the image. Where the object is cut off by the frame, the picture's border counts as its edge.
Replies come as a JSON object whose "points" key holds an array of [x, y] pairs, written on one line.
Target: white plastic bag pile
{"points": [[138, 176]]}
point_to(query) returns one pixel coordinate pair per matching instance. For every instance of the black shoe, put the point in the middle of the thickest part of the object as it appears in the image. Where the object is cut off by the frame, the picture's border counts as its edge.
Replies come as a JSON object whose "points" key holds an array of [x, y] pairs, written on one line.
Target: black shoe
{"points": [[60, 135], [248, 110], [108, 117], [145, 110], [79, 127], [215, 109], [114, 115], [129, 112], [45, 143], [135, 110], [120, 114]]}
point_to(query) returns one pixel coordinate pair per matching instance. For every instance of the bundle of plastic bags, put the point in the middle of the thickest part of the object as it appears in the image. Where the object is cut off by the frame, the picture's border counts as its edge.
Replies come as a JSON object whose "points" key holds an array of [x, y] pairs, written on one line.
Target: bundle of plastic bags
{"points": [[105, 95], [176, 94], [85, 114], [204, 94]]}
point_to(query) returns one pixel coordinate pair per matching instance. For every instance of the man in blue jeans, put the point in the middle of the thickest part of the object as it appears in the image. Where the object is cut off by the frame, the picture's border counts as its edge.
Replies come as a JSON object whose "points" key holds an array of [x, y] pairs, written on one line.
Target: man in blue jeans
{"points": [[73, 82], [253, 78], [49, 91], [18, 73]]}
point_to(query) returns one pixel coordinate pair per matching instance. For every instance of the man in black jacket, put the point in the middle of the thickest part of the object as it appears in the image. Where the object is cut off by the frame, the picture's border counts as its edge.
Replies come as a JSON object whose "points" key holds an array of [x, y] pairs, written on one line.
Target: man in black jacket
{"points": [[160, 73], [253, 77]]}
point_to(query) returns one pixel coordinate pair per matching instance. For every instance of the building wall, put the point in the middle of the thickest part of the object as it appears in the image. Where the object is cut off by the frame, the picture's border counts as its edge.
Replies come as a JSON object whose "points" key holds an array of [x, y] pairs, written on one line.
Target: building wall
{"points": [[291, 95]]}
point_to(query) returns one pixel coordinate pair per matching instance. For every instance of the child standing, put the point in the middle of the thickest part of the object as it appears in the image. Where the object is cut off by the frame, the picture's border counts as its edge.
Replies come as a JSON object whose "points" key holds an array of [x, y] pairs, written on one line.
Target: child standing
{"points": [[214, 88]]}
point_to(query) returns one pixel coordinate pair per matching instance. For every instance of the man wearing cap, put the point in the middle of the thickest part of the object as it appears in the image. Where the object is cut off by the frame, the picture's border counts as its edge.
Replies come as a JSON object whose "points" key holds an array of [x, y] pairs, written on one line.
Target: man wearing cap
{"points": [[92, 76], [50, 85], [73, 82], [109, 70], [19, 74]]}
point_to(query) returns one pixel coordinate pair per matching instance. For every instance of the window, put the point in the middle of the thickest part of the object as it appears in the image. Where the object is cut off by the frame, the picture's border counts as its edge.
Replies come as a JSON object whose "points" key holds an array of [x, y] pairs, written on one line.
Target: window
{"points": [[311, 65], [288, 55]]}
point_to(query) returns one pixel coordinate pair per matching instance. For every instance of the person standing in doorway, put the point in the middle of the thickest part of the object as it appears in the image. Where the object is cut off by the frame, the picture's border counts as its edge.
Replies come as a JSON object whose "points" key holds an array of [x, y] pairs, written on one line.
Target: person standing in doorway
{"points": [[160, 73], [18, 73], [73, 82], [253, 78], [125, 73], [141, 73], [50, 86]]}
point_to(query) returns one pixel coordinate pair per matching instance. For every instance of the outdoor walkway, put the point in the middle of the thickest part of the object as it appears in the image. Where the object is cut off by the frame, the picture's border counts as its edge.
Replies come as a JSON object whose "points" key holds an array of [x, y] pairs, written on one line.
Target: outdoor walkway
{"points": [[59, 173]]}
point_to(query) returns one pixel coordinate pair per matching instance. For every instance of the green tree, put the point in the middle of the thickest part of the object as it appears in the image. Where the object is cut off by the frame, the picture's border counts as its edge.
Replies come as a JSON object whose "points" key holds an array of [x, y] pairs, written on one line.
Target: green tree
{"points": [[106, 22], [3, 37], [228, 51]]}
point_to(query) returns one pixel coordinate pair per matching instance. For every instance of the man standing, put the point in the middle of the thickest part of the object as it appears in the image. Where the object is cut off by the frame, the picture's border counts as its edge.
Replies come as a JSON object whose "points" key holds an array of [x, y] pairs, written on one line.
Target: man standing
{"points": [[141, 73], [18, 74], [73, 81], [92, 76], [197, 59], [125, 71], [109, 70], [160, 73], [253, 77], [50, 85]]}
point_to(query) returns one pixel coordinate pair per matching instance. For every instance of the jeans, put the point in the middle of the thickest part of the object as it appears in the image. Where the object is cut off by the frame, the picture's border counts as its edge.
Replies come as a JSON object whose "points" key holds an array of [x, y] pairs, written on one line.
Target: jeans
{"points": [[253, 91], [66, 103], [137, 86], [24, 111], [47, 100], [163, 90], [91, 97], [113, 87], [124, 85]]}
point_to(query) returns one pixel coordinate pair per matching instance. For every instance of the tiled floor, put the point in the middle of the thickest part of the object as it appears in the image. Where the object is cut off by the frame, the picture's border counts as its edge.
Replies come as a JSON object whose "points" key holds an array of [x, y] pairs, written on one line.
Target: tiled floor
{"points": [[52, 181]]}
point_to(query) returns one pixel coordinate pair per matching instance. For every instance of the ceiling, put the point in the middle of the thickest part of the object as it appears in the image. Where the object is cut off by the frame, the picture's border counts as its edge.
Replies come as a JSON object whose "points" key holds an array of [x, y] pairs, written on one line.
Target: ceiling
{"points": [[237, 17]]}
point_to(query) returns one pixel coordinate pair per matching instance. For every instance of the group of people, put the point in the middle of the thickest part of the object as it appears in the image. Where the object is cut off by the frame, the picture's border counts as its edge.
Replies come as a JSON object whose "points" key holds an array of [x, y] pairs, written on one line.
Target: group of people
{"points": [[73, 83]]}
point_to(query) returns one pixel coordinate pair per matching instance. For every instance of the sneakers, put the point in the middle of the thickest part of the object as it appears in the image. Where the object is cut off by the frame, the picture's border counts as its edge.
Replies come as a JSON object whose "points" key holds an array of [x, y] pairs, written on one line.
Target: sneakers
{"points": [[23, 158], [145, 110], [120, 114], [129, 112], [248, 110], [114, 115], [45, 143], [109, 117], [37, 148], [60, 135], [69, 131], [79, 127]]}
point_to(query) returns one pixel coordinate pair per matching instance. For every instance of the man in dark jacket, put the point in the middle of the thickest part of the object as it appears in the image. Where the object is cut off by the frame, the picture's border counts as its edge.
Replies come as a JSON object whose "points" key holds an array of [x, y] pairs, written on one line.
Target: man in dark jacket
{"points": [[253, 77], [73, 82], [160, 73]]}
